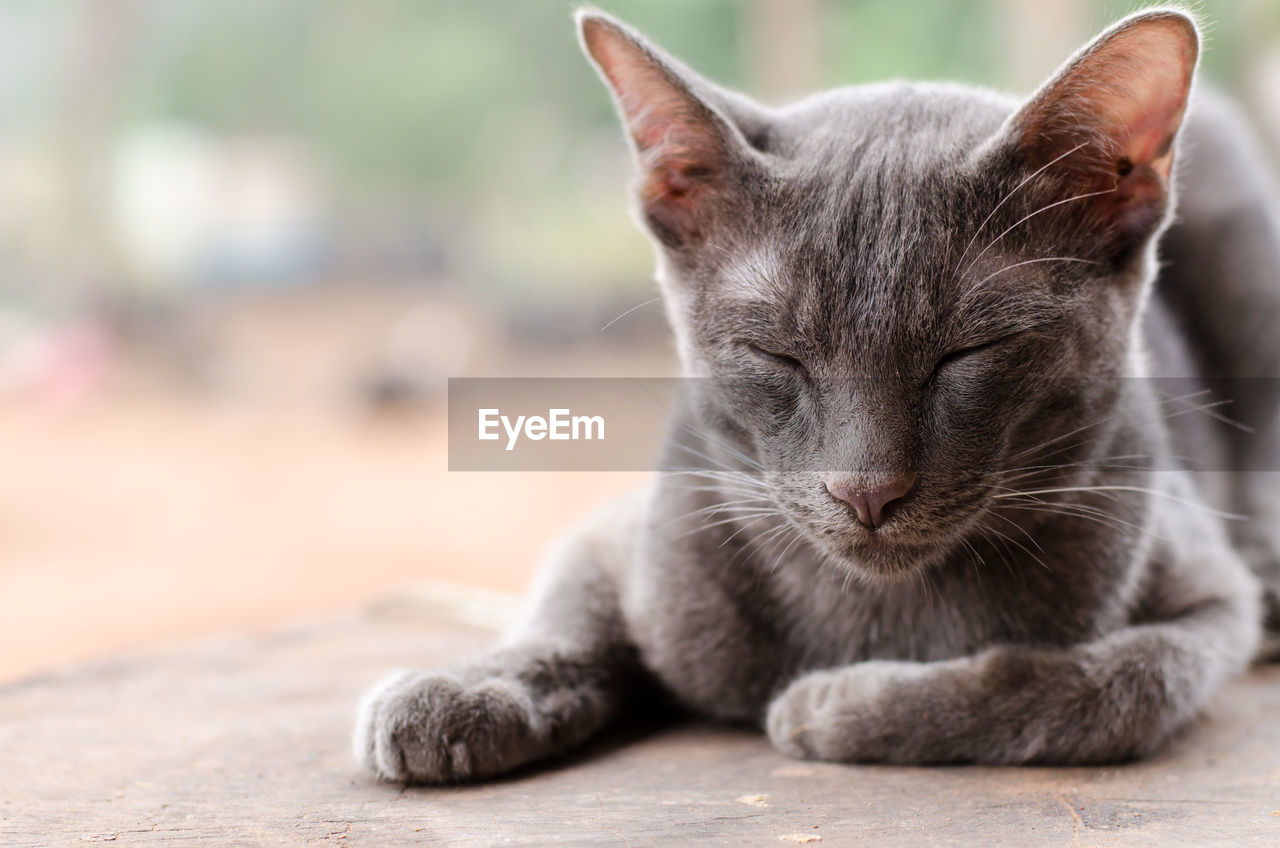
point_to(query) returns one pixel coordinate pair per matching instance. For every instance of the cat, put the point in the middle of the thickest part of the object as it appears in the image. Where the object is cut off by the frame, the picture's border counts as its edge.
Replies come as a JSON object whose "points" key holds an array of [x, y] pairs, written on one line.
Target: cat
{"points": [[934, 511]]}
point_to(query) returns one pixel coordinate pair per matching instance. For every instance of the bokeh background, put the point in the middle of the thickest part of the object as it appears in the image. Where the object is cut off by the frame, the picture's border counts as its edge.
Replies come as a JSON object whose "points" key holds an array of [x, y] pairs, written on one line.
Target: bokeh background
{"points": [[243, 243]]}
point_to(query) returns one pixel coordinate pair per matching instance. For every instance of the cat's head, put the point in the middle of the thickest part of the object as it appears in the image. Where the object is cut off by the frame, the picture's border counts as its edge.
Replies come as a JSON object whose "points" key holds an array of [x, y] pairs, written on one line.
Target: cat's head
{"points": [[893, 291]]}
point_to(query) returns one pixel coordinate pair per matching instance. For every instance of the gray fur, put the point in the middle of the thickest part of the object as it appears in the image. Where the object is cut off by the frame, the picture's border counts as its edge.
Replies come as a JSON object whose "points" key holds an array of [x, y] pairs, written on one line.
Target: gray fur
{"points": [[847, 232]]}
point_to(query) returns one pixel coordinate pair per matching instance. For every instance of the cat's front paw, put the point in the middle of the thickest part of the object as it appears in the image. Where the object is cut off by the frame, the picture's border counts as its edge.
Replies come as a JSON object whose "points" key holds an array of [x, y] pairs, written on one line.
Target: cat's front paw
{"points": [[834, 715], [431, 728]]}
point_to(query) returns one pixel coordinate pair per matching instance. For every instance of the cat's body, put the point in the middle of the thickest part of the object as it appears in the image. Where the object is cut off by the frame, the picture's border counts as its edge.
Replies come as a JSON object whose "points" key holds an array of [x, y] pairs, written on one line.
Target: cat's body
{"points": [[931, 514], [1214, 315]]}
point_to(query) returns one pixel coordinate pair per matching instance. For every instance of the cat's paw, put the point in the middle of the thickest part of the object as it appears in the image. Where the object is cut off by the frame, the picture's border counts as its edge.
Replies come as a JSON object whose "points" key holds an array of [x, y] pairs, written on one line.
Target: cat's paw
{"points": [[834, 715], [428, 727]]}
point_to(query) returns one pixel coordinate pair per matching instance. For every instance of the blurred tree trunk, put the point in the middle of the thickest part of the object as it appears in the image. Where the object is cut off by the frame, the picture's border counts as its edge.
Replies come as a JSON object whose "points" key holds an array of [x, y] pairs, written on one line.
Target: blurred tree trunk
{"points": [[1261, 71], [782, 47], [1041, 35], [94, 65]]}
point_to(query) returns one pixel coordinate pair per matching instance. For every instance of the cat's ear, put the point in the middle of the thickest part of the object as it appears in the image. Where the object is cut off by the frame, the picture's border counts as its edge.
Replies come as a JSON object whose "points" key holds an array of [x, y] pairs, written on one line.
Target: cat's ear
{"points": [[684, 145], [1109, 119]]}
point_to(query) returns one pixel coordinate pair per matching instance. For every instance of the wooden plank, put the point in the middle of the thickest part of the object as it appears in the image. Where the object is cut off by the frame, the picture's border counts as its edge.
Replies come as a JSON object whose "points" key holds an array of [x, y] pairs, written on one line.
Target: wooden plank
{"points": [[244, 740]]}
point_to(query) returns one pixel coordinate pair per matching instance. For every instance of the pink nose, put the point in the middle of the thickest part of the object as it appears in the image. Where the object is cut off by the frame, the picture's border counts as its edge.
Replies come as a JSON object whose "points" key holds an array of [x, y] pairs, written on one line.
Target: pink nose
{"points": [[869, 497]]}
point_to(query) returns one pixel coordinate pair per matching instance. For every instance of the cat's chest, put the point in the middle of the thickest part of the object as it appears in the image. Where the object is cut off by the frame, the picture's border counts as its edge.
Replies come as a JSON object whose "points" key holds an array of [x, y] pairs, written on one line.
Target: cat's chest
{"points": [[831, 620], [724, 641], [724, 647]]}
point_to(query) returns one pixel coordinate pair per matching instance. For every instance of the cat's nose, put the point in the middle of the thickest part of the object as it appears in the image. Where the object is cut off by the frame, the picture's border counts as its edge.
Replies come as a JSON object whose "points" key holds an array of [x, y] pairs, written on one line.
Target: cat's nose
{"points": [[870, 496]]}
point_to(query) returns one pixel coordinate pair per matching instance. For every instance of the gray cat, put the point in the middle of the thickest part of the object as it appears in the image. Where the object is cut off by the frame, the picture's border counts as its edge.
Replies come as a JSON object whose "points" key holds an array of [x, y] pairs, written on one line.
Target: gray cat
{"points": [[931, 514]]}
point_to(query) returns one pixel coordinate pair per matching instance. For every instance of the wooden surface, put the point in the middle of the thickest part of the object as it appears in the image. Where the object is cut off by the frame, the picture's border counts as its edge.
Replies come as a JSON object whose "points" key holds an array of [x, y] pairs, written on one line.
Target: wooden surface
{"points": [[243, 740]]}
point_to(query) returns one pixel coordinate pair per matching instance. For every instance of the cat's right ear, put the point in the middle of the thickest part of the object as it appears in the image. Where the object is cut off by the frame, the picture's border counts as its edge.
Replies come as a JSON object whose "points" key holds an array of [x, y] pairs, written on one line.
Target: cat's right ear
{"points": [[1107, 123], [685, 149]]}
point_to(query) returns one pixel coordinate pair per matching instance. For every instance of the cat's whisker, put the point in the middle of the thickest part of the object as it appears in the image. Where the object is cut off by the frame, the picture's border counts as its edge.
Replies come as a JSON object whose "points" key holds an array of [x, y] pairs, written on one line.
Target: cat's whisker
{"points": [[1013, 475], [926, 588], [724, 465], [1101, 464], [1024, 500], [724, 486], [1229, 516], [1048, 442], [728, 488], [1070, 510], [1020, 546], [710, 438], [732, 514], [785, 551], [732, 451], [749, 505], [979, 284], [745, 500], [1103, 420], [731, 520], [1012, 493], [766, 540], [629, 311], [718, 509], [702, 528], [1104, 521], [984, 531], [1006, 199], [728, 512], [717, 473], [1020, 529], [744, 528], [748, 497], [1026, 218], [702, 434], [975, 559], [1208, 408], [1107, 461]]}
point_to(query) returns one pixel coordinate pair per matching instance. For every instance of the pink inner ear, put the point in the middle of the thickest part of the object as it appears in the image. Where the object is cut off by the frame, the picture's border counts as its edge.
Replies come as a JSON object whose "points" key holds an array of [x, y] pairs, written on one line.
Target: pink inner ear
{"points": [[1130, 89], [660, 113], [1147, 99], [679, 140]]}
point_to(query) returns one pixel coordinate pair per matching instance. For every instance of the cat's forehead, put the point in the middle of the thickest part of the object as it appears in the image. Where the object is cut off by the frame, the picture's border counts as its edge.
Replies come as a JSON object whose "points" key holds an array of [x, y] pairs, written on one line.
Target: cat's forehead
{"points": [[906, 126], [876, 198], [870, 160], [877, 187]]}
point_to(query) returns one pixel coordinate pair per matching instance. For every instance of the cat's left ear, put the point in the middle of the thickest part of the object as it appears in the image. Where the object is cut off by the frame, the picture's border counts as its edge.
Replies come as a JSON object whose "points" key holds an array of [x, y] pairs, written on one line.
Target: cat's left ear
{"points": [[1107, 122]]}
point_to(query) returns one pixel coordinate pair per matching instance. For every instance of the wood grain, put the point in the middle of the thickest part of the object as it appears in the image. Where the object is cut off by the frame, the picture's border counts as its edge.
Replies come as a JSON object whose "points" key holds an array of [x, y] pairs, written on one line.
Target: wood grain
{"points": [[243, 740]]}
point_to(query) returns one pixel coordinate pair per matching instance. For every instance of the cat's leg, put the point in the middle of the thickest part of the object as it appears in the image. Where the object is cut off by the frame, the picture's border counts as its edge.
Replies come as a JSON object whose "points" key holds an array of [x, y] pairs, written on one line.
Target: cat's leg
{"points": [[1111, 699], [557, 679], [1258, 540]]}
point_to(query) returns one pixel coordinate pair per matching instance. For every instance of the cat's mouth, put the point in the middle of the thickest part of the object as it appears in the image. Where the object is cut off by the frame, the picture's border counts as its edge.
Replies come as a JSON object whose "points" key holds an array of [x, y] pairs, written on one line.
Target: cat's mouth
{"points": [[912, 534], [905, 545], [888, 553]]}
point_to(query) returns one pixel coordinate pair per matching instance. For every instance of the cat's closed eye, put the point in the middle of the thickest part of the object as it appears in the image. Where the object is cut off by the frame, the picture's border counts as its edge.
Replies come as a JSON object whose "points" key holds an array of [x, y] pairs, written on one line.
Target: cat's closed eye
{"points": [[959, 355], [777, 360]]}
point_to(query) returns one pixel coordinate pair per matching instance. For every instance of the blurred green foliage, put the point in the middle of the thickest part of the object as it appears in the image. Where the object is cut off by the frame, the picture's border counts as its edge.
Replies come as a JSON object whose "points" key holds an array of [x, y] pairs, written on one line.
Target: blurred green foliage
{"points": [[400, 89], [479, 118]]}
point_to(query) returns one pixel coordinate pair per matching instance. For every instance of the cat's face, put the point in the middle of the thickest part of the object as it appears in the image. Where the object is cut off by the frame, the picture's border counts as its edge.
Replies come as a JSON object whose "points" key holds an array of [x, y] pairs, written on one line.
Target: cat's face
{"points": [[898, 295]]}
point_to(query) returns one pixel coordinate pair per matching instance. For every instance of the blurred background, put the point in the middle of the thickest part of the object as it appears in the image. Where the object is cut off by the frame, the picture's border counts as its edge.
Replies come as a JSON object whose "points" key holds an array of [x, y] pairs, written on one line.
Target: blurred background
{"points": [[244, 243]]}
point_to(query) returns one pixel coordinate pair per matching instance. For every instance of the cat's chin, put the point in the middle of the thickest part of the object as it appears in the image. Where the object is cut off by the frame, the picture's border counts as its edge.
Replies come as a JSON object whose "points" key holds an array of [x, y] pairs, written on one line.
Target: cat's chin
{"points": [[880, 561]]}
